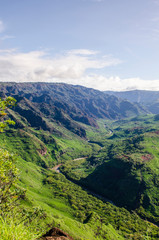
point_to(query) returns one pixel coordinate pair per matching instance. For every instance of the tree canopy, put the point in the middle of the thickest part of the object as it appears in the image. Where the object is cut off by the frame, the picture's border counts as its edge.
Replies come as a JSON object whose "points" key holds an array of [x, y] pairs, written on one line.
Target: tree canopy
{"points": [[8, 170], [4, 104]]}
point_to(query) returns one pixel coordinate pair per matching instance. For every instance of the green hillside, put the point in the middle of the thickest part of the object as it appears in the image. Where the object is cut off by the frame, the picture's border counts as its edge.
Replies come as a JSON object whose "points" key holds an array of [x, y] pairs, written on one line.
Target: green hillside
{"points": [[65, 203], [106, 186], [127, 167]]}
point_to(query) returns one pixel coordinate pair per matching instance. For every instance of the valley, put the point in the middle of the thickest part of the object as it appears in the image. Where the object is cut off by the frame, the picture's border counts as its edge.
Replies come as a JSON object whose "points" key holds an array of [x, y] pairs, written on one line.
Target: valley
{"points": [[88, 162]]}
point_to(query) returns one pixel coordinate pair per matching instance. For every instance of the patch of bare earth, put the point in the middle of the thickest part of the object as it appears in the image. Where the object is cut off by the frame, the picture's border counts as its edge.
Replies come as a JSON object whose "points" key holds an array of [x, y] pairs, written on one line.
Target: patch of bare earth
{"points": [[146, 157], [56, 233], [42, 151], [156, 132]]}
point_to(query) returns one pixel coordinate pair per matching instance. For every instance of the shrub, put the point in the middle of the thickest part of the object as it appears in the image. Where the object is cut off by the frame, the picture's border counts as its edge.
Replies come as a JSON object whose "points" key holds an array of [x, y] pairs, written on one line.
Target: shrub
{"points": [[8, 177]]}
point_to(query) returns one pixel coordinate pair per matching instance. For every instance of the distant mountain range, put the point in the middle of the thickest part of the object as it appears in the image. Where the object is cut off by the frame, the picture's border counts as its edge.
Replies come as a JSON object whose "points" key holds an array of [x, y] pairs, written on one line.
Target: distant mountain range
{"points": [[39, 104], [149, 99]]}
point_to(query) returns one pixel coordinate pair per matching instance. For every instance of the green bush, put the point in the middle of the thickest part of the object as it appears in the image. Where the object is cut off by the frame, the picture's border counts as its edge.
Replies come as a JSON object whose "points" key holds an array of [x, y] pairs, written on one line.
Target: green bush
{"points": [[8, 177], [4, 104]]}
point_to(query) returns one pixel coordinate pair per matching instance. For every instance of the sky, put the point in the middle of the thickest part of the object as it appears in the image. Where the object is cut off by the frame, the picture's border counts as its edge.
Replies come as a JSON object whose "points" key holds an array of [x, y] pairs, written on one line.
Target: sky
{"points": [[101, 44]]}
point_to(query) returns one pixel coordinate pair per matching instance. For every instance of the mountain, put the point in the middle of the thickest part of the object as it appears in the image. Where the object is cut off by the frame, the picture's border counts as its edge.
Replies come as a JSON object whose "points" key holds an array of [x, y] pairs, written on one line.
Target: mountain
{"points": [[149, 99], [65, 104]]}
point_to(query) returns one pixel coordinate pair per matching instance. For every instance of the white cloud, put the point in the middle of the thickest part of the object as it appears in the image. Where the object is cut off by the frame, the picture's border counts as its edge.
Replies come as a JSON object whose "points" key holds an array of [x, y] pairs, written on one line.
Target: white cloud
{"points": [[1, 26], [82, 52], [115, 83], [38, 66], [71, 67], [6, 37], [7, 51]]}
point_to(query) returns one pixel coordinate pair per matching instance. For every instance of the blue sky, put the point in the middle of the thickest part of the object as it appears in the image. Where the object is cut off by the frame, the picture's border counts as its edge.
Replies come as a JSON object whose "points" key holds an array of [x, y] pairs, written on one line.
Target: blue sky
{"points": [[107, 45]]}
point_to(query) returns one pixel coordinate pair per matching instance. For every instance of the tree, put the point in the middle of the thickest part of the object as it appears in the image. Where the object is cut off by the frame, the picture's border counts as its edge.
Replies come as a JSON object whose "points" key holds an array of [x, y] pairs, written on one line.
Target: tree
{"points": [[4, 104], [8, 170], [8, 177]]}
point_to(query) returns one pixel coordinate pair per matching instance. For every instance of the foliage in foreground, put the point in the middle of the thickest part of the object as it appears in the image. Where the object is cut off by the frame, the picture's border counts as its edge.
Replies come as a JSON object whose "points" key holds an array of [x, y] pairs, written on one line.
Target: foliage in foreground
{"points": [[8, 177], [4, 104], [9, 230]]}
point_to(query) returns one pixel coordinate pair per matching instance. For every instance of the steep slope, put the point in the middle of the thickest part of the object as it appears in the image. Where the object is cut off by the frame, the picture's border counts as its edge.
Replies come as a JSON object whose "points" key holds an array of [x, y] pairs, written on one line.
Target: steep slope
{"points": [[65, 103], [127, 167], [46, 202], [130, 179], [73, 209]]}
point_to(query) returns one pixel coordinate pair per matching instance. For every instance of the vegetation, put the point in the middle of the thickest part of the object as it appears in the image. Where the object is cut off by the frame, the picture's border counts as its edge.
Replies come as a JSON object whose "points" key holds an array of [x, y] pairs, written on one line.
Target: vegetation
{"points": [[87, 207], [4, 104], [126, 168], [8, 177], [8, 170], [107, 187]]}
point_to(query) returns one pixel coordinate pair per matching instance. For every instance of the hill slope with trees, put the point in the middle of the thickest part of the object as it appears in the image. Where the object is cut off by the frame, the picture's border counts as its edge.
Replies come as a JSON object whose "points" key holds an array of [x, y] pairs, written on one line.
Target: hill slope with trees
{"points": [[106, 186]]}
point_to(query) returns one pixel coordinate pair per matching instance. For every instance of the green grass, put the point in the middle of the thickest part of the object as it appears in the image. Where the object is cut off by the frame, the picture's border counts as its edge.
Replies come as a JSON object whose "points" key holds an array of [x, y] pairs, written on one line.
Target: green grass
{"points": [[11, 230]]}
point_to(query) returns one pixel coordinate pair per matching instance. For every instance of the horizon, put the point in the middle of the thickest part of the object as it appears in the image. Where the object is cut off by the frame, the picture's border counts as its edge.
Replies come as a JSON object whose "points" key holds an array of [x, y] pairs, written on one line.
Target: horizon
{"points": [[78, 85], [108, 46]]}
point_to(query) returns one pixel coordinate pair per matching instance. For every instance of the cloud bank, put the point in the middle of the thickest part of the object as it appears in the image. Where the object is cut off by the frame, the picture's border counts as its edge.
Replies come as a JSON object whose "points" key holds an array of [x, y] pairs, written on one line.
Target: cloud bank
{"points": [[38, 66], [115, 83], [72, 67]]}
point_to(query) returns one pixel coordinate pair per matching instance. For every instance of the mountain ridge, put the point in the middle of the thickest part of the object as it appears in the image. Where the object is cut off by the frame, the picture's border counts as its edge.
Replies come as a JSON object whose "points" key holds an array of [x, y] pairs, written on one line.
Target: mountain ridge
{"points": [[66, 103]]}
